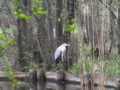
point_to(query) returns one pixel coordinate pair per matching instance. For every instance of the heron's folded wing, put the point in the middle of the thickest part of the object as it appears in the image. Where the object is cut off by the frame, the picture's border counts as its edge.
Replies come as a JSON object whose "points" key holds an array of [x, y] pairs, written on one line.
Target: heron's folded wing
{"points": [[57, 53]]}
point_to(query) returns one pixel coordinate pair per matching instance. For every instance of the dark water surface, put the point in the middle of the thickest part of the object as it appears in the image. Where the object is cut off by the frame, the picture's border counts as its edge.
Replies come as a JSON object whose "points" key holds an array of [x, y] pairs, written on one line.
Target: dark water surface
{"points": [[49, 86]]}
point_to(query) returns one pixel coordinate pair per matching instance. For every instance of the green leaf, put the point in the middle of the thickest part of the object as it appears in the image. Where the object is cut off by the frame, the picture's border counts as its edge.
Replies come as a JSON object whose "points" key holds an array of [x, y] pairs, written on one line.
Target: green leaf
{"points": [[73, 20], [38, 1], [71, 28], [43, 12], [40, 8], [59, 19], [2, 36], [10, 41], [61, 15], [1, 30]]}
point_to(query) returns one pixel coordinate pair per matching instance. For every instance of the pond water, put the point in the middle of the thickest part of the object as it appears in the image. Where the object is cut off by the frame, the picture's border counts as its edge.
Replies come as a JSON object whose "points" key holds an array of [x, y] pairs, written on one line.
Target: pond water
{"points": [[49, 86]]}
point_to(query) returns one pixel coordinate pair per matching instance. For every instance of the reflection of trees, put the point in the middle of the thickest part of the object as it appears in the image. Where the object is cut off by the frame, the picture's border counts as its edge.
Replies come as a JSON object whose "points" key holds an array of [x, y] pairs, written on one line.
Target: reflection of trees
{"points": [[1, 88], [60, 86], [22, 88], [41, 86]]}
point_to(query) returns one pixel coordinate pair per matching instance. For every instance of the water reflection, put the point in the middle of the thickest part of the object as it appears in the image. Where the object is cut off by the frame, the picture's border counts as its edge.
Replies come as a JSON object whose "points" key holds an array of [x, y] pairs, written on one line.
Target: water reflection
{"points": [[49, 86]]}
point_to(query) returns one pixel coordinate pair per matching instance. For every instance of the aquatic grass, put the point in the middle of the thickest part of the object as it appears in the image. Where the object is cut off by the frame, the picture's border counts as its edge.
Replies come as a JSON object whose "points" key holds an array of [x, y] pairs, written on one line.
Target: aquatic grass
{"points": [[113, 69], [75, 68], [80, 67], [53, 67], [87, 66], [112, 66], [34, 65]]}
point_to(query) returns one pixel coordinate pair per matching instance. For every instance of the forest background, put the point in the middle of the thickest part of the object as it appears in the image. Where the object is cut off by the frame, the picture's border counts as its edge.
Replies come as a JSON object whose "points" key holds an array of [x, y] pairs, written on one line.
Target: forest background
{"points": [[31, 30]]}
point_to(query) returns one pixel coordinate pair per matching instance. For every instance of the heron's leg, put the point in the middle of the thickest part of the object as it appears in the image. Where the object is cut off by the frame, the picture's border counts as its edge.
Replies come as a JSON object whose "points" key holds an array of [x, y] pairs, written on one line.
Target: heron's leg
{"points": [[59, 63], [62, 56]]}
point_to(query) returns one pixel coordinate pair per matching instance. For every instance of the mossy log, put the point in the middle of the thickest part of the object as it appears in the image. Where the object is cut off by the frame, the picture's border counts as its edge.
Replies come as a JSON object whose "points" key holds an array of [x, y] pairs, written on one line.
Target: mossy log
{"points": [[64, 77], [24, 76], [86, 79], [9, 83]]}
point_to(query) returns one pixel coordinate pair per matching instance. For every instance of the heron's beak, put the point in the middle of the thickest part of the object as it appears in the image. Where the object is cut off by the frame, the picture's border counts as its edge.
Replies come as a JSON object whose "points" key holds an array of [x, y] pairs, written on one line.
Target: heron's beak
{"points": [[68, 44]]}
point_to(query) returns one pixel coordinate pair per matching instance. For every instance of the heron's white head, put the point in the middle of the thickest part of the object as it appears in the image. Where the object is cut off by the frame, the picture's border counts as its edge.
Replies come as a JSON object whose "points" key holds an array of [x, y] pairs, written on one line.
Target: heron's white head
{"points": [[65, 44]]}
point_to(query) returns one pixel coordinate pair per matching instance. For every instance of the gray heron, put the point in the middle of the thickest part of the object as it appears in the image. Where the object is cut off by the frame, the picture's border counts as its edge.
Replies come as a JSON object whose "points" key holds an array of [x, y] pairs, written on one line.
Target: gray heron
{"points": [[60, 53]]}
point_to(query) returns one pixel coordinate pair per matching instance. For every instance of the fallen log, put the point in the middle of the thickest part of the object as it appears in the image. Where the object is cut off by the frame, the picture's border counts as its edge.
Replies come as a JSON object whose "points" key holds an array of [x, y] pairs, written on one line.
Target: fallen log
{"points": [[23, 76], [82, 79], [65, 77], [9, 83]]}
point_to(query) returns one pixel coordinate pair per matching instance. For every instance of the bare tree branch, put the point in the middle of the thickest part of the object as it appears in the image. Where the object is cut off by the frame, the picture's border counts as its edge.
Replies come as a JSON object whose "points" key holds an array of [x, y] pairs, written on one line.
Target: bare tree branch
{"points": [[2, 5], [113, 14]]}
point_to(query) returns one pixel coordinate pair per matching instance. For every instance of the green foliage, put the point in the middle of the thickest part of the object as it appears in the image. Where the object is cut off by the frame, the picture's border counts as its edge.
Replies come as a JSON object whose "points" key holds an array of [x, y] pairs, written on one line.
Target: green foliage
{"points": [[80, 67], [31, 63], [37, 11], [10, 74], [71, 27], [19, 12], [59, 19], [16, 4], [34, 65], [20, 15], [112, 67], [73, 20], [37, 1], [53, 67], [86, 65], [85, 50], [2, 36], [28, 56], [75, 68], [9, 71], [5, 42]]}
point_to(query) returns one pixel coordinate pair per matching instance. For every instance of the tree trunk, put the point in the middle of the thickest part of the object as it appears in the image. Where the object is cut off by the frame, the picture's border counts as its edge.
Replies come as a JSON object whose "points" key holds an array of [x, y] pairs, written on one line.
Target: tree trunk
{"points": [[112, 28], [70, 17], [24, 27], [19, 42], [45, 35], [49, 50], [49, 27], [59, 26], [118, 29]]}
